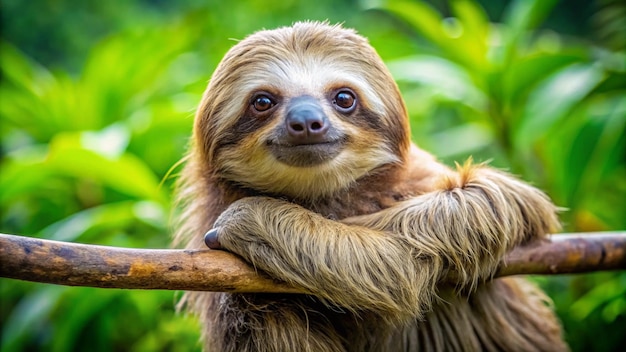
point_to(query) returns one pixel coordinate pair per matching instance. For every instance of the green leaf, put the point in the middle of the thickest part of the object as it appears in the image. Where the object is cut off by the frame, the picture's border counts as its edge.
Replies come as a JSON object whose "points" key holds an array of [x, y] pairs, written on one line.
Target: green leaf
{"points": [[590, 154], [476, 31], [22, 173], [554, 98], [421, 17], [86, 304], [462, 40], [521, 16], [32, 311], [443, 76], [106, 216], [526, 73], [126, 173], [600, 295], [462, 140], [21, 72]]}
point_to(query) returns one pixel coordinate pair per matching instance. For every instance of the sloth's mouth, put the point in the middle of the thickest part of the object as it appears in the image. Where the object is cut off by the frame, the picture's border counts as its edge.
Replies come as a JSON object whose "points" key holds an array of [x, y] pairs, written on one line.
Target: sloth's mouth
{"points": [[305, 155]]}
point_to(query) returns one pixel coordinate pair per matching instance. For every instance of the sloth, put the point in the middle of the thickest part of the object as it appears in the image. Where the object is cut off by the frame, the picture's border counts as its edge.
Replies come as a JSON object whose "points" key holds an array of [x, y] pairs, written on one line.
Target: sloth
{"points": [[302, 164]]}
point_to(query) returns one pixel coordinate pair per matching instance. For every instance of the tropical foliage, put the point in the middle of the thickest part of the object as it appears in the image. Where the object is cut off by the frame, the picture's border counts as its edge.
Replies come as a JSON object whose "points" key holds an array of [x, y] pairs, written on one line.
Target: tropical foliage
{"points": [[90, 141]]}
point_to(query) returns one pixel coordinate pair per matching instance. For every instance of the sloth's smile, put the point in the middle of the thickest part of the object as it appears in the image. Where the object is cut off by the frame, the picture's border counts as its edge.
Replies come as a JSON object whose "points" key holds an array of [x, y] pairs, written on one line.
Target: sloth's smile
{"points": [[306, 155]]}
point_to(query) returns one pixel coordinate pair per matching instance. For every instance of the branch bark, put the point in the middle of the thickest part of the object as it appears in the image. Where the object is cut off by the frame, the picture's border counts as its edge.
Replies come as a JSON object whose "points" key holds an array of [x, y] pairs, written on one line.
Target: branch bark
{"points": [[63, 263]]}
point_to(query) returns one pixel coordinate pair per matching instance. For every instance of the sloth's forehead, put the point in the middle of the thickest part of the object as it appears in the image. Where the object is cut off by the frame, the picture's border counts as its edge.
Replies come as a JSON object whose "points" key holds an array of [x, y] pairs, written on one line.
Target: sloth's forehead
{"points": [[310, 75]]}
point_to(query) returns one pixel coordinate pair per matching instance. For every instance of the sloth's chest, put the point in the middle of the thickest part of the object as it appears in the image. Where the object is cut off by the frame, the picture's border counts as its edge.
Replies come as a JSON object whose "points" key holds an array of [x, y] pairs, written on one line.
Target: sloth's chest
{"points": [[355, 203]]}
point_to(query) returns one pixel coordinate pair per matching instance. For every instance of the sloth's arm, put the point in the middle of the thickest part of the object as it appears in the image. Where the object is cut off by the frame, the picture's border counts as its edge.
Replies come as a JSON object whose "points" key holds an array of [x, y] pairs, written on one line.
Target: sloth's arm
{"points": [[390, 261]]}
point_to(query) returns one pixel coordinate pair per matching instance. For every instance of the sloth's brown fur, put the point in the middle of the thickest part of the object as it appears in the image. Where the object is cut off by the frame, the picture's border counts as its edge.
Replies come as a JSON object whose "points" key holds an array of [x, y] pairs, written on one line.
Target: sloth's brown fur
{"points": [[370, 232]]}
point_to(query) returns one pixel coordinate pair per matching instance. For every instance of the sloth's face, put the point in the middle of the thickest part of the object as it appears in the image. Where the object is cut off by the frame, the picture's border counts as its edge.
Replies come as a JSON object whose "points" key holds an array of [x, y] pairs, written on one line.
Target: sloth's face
{"points": [[305, 135], [302, 111]]}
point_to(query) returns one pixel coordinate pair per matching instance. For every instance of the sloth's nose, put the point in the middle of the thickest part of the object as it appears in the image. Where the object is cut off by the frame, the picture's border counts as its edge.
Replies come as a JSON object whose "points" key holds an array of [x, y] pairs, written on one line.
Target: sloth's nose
{"points": [[306, 122]]}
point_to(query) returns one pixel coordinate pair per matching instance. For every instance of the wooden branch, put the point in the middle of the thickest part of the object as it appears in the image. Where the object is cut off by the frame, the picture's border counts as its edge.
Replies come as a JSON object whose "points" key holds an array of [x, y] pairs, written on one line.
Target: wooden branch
{"points": [[73, 264]]}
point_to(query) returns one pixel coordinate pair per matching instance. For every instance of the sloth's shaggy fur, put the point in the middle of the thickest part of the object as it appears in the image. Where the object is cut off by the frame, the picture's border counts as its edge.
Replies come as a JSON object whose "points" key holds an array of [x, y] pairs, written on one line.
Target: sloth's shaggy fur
{"points": [[369, 228]]}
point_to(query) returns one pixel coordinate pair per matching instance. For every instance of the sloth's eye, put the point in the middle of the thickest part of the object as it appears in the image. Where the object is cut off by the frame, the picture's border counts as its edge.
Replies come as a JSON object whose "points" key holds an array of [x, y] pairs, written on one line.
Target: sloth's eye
{"points": [[345, 100], [262, 103]]}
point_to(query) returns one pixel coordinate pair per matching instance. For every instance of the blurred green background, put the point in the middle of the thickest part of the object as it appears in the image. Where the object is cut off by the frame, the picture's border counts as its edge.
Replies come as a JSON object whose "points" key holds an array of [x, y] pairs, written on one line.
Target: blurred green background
{"points": [[97, 101]]}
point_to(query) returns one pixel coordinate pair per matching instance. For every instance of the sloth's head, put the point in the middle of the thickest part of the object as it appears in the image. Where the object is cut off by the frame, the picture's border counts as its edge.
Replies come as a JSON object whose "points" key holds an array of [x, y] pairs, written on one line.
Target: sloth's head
{"points": [[302, 111]]}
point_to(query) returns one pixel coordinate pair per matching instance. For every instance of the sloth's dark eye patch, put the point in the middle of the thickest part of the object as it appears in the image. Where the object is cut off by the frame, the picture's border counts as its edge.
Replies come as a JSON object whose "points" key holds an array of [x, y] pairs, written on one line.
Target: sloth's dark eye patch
{"points": [[262, 103], [344, 101]]}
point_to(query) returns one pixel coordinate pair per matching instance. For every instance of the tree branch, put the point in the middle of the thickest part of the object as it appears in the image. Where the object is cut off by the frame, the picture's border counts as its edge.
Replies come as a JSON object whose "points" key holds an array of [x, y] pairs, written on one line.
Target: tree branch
{"points": [[63, 263]]}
